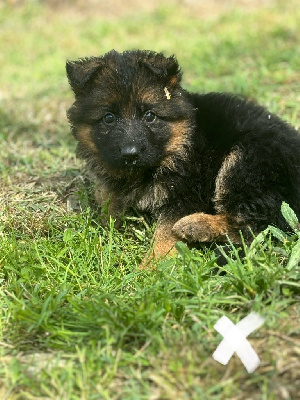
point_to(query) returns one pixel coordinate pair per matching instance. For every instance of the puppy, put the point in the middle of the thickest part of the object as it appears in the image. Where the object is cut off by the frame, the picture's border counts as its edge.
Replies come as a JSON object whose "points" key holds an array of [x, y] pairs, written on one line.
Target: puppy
{"points": [[207, 167]]}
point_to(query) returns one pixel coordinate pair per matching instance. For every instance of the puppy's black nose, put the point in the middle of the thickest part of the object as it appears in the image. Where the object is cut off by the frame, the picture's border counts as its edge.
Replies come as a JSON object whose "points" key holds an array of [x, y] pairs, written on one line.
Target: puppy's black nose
{"points": [[130, 153]]}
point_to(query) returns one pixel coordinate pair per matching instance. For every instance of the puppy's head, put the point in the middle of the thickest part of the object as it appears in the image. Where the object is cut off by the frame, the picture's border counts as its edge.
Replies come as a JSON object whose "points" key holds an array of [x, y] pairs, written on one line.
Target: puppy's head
{"points": [[130, 112]]}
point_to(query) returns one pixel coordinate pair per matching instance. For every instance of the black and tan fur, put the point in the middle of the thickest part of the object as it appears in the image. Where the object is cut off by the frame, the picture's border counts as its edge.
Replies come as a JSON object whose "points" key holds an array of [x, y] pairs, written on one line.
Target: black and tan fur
{"points": [[207, 167]]}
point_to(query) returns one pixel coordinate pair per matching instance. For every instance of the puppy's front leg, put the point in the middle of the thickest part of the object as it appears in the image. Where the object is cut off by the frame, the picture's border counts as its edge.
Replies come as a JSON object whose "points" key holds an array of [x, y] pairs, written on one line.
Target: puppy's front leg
{"points": [[164, 239], [162, 244], [110, 204]]}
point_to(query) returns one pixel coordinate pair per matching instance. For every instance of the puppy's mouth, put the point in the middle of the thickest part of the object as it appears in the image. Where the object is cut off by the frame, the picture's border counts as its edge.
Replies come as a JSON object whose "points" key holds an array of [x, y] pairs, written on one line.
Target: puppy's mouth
{"points": [[138, 165], [133, 165]]}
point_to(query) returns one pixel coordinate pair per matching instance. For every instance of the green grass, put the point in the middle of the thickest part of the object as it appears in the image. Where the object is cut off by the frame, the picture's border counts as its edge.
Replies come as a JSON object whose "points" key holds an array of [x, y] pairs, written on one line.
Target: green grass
{"points": [[79, 320]]}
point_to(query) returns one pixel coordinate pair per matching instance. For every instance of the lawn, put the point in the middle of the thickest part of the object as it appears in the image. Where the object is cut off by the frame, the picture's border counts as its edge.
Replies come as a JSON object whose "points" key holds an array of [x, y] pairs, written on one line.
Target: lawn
{"points": [[79, 320]]}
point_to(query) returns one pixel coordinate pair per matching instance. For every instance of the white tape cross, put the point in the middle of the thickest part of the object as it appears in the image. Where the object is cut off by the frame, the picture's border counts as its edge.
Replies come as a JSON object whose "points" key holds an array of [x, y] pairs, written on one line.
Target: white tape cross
{"points": [[235, 340]]}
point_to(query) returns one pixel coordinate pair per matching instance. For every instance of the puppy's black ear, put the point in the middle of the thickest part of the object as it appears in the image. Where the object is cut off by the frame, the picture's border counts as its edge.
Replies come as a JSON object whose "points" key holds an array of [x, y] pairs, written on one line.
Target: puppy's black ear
{"points": [[167, 69], [80, 72]]}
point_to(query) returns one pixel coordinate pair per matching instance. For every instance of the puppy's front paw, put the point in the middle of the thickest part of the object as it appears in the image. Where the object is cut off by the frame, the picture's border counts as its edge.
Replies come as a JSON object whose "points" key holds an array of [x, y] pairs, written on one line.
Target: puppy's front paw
{"points": [[200, 227], [189, 228]]}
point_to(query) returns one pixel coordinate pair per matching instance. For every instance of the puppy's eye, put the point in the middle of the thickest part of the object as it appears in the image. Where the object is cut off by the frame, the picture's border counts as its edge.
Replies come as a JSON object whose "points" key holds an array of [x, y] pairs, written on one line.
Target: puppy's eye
{"points": [[149, 116], [109, 119]]}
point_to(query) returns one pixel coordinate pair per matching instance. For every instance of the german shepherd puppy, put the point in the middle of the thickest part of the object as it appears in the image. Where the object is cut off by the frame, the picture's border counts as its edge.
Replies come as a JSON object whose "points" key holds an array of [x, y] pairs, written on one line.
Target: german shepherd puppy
{"points": [[207, 167]]}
